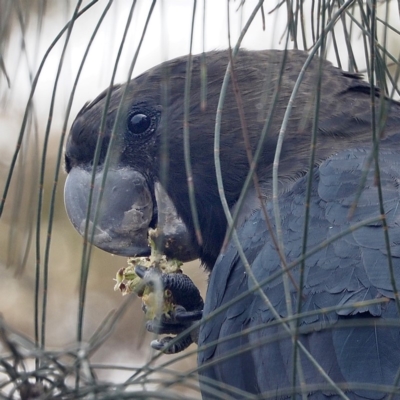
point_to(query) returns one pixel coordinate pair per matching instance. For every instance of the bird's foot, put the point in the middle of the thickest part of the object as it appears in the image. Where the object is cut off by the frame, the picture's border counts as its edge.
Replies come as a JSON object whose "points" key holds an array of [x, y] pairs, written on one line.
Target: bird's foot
{"points": [[182, 306]]}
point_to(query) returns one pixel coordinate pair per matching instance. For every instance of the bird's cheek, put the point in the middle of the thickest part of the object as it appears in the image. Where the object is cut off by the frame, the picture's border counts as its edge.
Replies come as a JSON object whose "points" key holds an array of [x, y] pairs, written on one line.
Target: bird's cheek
{"points": [[121, 209], [172, 236]]}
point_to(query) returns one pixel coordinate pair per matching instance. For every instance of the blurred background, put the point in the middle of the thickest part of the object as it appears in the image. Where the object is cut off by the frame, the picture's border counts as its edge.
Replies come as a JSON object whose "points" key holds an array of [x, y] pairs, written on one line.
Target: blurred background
{"points": [[42, 47]]}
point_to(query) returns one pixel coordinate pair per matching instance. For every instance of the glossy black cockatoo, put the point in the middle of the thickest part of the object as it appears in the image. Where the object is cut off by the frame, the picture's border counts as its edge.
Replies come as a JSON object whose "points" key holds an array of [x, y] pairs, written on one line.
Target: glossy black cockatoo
{"points": [[301, 297]]}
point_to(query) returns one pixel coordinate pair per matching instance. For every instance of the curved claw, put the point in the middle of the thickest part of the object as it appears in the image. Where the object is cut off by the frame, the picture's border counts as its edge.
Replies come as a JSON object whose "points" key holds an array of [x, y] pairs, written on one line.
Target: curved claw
{"points": [[181, 315], [176, 323], [162, 328], [164, 344], [158, 344]]}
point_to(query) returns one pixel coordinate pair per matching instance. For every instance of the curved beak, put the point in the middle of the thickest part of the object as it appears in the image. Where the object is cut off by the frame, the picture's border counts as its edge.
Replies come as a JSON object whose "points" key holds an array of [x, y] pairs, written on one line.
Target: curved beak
{"points": [[123, 212], [118, 219]]}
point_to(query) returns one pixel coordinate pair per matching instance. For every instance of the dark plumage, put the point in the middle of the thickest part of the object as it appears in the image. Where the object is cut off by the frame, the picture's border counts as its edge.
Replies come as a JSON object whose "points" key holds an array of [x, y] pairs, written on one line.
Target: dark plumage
{"points": [[351, 344]]}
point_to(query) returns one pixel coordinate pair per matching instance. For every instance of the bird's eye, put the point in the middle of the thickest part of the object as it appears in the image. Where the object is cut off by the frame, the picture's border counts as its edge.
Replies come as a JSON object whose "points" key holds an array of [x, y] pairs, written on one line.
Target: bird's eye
{"points": [[139, 123]]}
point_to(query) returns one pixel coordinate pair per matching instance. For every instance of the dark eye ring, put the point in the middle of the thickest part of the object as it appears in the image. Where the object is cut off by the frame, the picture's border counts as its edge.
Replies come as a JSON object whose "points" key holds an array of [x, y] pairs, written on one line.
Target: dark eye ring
{"points": [[139, 123]]}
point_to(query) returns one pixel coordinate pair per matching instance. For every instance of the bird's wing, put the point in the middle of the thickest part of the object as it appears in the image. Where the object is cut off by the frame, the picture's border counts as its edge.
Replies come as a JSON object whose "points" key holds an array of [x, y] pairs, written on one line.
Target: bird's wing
{"points": [[353, 343]]}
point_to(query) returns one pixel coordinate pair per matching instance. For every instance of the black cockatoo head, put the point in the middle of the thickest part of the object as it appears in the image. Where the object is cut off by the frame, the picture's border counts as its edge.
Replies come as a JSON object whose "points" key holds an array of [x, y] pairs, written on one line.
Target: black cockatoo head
{"points": [[147, 159]]}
